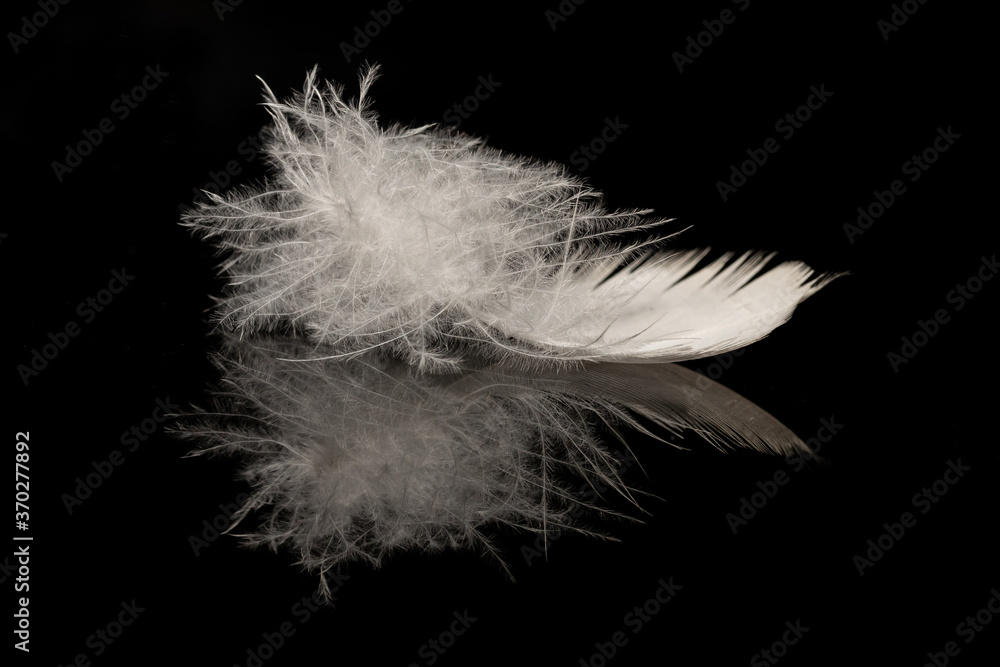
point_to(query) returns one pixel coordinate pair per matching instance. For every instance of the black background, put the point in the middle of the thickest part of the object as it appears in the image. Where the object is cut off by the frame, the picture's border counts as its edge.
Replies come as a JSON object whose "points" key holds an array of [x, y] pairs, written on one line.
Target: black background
{"points": [[793, 561]]}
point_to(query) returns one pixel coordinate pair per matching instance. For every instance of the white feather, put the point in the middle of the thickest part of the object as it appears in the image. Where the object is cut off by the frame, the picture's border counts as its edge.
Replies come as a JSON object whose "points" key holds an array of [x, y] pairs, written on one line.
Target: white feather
{"points": [[455, 321], [413, 240]]}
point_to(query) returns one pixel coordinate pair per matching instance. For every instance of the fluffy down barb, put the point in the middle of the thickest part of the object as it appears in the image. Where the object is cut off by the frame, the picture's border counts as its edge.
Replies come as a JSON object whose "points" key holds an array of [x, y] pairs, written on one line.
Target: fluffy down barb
{"points": [[420, 241], [422, 335]]}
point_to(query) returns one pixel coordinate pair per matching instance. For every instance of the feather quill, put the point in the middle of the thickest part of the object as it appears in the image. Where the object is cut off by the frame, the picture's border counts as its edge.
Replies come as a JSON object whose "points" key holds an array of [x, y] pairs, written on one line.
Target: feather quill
{"points": [[420, 329]]}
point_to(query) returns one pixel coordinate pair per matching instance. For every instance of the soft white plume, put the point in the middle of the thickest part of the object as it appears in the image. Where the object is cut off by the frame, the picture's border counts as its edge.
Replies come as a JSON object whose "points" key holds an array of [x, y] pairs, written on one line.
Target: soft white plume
{"points": [[426, 328], [424, 242]]}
